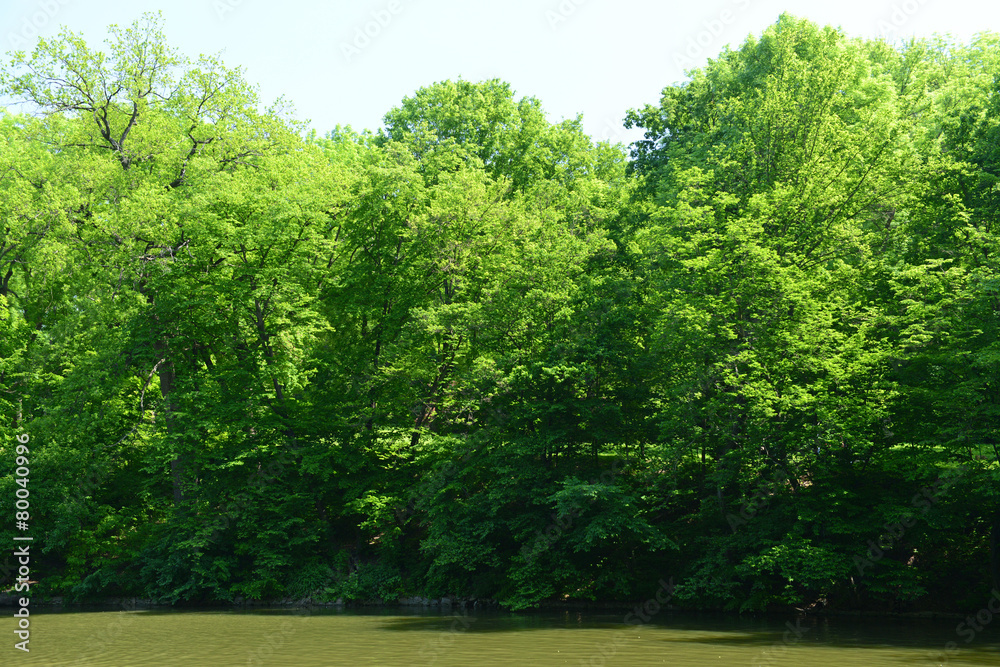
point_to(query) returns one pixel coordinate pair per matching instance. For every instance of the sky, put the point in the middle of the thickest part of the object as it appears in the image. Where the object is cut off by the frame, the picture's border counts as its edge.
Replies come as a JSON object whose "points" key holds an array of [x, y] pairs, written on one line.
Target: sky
{"points": [[348, 63]]}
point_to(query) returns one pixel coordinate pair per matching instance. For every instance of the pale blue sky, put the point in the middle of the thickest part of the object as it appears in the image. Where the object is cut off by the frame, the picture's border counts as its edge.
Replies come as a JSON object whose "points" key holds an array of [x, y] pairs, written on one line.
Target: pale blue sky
{"points": [[595, 57]]}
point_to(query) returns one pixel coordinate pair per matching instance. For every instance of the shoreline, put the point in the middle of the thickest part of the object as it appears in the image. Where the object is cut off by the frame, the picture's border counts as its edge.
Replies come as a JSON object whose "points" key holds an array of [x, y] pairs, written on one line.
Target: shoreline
{"points": [[8, 600]]}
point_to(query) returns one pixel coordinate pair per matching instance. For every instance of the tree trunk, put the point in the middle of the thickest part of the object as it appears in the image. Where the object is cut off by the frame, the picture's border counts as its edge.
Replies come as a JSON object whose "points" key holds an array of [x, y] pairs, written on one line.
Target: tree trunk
{"points": [[995, 550], [177, 465]]}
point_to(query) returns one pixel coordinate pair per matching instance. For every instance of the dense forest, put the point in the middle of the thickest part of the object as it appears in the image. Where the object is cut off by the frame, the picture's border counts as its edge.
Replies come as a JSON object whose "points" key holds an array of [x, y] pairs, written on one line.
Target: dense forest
{"points": [[477, 353]]}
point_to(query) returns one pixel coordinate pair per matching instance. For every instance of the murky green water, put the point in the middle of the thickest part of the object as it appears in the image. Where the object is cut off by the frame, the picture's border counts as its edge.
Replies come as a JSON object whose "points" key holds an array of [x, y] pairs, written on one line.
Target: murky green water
{"points": [[446, 638]]}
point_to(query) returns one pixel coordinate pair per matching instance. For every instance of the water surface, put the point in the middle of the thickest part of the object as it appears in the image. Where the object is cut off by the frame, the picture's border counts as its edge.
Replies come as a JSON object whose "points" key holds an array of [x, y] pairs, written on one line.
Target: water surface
{"points": [[443, 638]]}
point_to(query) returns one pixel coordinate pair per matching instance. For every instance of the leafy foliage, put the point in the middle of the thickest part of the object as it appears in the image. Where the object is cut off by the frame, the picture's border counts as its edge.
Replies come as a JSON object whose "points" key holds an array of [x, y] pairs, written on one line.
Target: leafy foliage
{"points": [[476, 353]]}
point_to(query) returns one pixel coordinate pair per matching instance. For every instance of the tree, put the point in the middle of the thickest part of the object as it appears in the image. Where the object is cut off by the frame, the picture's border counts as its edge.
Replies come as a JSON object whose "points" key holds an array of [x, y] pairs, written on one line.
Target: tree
{"points": [[193, 230], [775, 176]]}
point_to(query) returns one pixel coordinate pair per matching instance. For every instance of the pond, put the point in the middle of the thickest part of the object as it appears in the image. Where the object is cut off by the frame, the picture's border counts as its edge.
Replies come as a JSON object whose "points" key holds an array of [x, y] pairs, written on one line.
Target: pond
{"points": [[446, 637]]}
